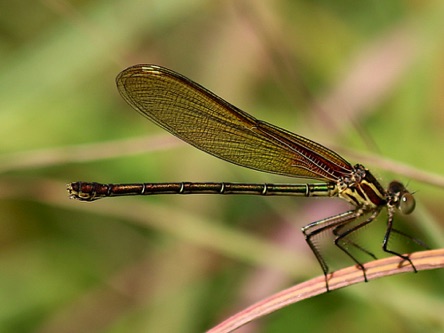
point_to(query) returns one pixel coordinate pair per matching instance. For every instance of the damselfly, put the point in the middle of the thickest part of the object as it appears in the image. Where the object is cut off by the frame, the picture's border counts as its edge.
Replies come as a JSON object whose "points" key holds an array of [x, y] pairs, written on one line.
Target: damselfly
{"points": [[206, 121]]}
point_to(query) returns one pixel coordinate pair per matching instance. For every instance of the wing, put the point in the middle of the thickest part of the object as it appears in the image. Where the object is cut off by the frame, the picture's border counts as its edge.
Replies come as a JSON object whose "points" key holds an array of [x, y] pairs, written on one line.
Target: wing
{"points": [[209, 123]]}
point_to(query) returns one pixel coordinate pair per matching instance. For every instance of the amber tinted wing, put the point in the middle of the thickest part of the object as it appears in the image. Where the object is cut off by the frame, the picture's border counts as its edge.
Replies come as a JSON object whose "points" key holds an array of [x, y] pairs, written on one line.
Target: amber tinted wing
{"points": [[206, 121]]}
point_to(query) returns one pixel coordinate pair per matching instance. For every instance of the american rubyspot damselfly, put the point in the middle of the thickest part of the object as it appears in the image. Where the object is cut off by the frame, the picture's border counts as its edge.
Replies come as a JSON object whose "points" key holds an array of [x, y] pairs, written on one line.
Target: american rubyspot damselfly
{"points": [[206, 121]]}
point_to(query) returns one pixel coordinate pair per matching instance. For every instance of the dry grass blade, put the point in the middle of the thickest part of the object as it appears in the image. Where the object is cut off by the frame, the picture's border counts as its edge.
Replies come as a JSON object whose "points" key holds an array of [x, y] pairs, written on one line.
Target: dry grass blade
{"points": [[424, 260], [84, 152]]}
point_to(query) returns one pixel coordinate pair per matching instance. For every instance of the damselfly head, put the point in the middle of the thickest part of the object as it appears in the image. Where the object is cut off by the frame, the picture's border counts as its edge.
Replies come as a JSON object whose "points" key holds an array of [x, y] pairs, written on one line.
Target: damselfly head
{"points": [[400, 197]]}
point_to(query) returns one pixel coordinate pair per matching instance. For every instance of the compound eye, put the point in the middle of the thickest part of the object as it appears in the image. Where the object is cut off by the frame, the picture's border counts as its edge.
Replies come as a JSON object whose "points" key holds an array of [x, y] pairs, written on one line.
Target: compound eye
{"points": [[406, 203]]}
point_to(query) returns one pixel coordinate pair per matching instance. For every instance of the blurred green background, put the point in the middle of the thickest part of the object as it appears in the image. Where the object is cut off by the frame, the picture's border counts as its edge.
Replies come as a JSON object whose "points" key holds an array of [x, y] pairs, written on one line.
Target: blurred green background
{"points": [[365, 78]]}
